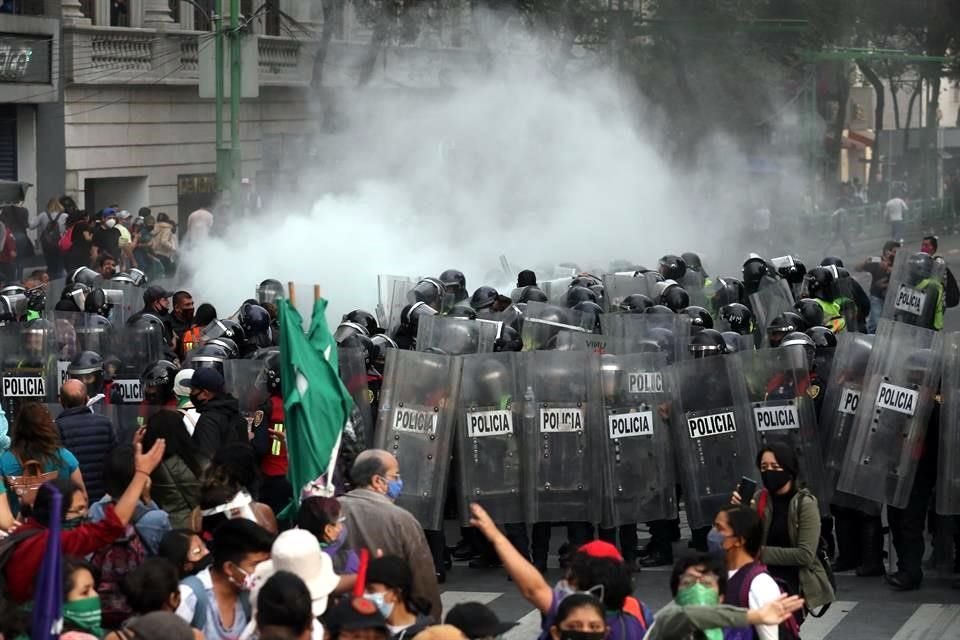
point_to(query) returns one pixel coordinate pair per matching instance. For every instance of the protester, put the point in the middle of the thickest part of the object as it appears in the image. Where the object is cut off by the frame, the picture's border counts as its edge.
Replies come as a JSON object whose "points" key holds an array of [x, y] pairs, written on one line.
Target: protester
{"points": [[79, 537], [176, 481], [389, 582], [476, 621], [77, 244], [375, 522], [50, 225], [81, 604], [220, 421], [152, 586], [894, 210], [35, 456], [164, 244], [186, 551], [284, 603], [879, 269], [323, 518], [88, 435], [106, 236], [355, 619], [930, 245], [106, 265]]}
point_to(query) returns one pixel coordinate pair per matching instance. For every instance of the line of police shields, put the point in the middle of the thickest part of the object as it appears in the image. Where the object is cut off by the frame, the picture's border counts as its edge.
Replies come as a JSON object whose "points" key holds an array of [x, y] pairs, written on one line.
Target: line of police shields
{"points": [[898, 396], [617, 286], [771, 299], [915, 291]]}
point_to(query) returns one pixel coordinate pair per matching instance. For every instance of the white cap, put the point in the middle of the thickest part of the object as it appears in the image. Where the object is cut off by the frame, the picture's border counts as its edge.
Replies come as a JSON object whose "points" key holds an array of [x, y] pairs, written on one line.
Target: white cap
{"points": [[182, 381], [299, 552], [123, 215]]}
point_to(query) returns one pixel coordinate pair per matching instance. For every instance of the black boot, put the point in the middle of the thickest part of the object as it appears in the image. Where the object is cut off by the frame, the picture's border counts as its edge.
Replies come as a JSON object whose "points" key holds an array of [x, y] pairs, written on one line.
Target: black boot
{"points": [[847, 526]]}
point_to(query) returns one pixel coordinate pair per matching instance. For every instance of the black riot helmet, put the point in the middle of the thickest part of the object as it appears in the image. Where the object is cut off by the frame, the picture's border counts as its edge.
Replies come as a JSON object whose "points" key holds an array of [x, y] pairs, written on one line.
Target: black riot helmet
{"points": [[576, 295], [782, 325], [729, 290], [585, 280], [659, 309], [269, 291], [346, 329], [590, 309], [93, 333], [229, 348], [87, 367], [672, 267], [463, 310], [832, 261], [225, 328], [411, 314], [365, 318], [96, 302], [790, 268], [208, 355], [693, 262], [700, 318], [820, 283], [532, 293], [919, 268], [509, 340], [430, 291], [76, 294], [734, 341], [674, 297], [706, 343], [822, 337], [83, 275], [810, 312], [802, 340], [635, 303], [738, 317], [483, 298], [12, 308], [361, 342], [754, 270], [157, 381], [254, 319], [455, 283], [379, 345], [271, 371]]}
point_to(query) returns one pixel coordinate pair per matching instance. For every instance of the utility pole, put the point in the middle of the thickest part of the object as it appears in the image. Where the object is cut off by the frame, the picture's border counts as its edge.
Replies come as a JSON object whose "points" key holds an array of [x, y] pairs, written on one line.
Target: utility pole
{"points": [[228, 158]]}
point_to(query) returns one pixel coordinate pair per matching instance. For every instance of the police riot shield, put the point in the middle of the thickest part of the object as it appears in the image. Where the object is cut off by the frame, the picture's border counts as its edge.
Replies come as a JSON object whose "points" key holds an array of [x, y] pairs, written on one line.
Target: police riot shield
{"points": [[695, 284], [489, 436], [244, 380], [781, 395], [643, 333], [29, 372], [773, 298], [840, 404], [712, 431], [543, 322], [392, 291], [889, 429], [563, 423], [131, 297], [617, 286], [948, 466], [416, 424], [639, 474], [456, 336], [353, 373], [556, 289], [131, 353], [915, 292]]}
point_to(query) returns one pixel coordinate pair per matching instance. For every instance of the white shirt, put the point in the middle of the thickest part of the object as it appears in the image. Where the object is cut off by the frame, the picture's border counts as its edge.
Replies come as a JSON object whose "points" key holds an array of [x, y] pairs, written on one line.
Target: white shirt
{"points": [[894, 209], [763, 589]]}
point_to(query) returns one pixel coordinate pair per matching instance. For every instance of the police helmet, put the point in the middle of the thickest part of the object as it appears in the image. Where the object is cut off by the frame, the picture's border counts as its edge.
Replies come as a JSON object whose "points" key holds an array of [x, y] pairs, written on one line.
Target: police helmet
{"points": [[269, 291], [700, 318], [483, 298], [708, 342], [810, 312], [635, 303], [738, 317], [672, 267]]}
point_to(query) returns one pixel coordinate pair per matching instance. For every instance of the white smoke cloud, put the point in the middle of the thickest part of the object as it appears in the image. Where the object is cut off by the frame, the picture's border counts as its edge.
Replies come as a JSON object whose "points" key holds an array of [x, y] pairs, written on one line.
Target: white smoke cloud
{"points": [[516, 162]]}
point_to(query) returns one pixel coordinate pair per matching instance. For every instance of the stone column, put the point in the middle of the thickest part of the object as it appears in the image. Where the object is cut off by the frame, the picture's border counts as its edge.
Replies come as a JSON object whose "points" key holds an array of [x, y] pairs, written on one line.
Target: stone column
{"points": [[156, 15], [72, 15]]}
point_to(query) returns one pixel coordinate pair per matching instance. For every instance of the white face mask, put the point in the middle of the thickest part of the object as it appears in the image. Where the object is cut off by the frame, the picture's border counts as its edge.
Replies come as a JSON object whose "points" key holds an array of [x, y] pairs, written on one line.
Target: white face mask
{"points": [[110, 223]]}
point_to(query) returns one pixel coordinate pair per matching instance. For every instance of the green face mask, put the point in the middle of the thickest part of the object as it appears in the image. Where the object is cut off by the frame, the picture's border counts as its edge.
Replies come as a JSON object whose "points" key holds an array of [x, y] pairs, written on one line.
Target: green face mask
{"points": [[699, 595], [85, 614]]}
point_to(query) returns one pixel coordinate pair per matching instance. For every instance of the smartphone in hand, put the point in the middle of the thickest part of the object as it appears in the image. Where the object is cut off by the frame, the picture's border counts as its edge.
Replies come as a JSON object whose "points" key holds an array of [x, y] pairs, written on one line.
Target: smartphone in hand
{"points": [[746, 488]]}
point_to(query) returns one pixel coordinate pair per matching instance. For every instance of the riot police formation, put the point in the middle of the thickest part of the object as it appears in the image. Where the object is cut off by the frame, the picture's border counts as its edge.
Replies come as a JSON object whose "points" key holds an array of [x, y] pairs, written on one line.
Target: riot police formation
{"points": [[586, 402]]}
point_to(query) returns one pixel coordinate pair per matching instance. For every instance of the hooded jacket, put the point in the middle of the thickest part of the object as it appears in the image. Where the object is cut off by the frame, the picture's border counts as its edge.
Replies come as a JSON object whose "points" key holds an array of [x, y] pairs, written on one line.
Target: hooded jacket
{"points": [[220, 424]]}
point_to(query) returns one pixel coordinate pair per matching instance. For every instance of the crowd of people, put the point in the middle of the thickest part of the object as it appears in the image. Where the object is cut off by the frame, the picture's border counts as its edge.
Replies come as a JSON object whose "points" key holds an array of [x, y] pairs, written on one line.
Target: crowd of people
{"points": [[177, 518]]}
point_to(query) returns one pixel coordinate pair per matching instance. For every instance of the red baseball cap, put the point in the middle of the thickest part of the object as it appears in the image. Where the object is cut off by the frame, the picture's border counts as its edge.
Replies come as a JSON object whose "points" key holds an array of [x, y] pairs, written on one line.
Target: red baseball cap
{"points": [[601, 549]]}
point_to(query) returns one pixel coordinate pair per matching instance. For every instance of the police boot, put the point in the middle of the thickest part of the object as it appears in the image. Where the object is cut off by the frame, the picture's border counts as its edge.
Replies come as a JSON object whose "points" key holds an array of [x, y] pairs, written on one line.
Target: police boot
{"points": [[871, 548]]}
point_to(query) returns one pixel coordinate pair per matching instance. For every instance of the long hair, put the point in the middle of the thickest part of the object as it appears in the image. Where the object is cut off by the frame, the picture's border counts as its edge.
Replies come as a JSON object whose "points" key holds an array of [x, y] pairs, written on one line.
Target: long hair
{"points": [[168, 425], [35, 435], [54, 206]]}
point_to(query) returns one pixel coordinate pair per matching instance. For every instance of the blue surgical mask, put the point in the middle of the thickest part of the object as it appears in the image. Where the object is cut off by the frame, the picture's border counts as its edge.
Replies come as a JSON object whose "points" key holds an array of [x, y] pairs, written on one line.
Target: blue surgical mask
{"points": [[715, 541], [394, 488], [379, 600]]}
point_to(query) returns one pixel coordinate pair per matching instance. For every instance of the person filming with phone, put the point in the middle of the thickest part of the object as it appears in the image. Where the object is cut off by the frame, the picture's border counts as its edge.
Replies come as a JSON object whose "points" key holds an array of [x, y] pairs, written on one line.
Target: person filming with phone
{"points": [[791, 527]]}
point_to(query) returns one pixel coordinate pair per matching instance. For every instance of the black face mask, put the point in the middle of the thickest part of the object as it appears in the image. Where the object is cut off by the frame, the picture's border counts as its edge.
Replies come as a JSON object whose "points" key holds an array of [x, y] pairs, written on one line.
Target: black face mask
{"points": [[196, 400], [774, 480], [582, 635], [201, 564]]}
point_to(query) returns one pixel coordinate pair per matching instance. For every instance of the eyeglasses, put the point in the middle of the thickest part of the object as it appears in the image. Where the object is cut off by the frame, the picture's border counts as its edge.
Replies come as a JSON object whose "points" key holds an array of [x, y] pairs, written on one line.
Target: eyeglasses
{"points": [[707, 580]]}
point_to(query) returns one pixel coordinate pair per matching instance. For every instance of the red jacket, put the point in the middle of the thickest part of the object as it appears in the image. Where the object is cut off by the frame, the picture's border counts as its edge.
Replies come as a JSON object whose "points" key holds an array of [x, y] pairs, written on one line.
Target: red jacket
{"points": [[24, 565]]}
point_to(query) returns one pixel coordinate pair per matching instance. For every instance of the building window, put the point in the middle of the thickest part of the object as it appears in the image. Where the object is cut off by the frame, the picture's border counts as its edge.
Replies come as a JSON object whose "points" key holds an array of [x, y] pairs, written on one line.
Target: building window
{"points": [[88, 9], [22, 7], [272, 18], [119, 13], [202, 12], [8, 142]]}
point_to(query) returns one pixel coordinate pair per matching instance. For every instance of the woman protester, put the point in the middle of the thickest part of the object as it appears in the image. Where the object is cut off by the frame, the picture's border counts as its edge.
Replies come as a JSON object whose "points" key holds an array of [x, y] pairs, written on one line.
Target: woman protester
{"points": [[791, 527], [323, 518]]}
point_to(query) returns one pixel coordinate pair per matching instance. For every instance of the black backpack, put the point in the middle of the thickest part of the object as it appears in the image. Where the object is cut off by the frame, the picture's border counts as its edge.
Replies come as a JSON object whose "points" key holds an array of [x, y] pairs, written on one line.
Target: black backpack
{"points": [[50, 235]]}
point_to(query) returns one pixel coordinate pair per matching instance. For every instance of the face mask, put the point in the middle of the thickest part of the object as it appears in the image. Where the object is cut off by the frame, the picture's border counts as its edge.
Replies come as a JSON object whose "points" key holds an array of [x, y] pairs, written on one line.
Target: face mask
{"points": [[201, 564], [186, 314], [196, 401], [73, 523], [85, 614], [379, 599], [582, 635], [247, 583], [700, 595], [339, 540], [394, 488], [715, 541], [775, 480], [111, 223]]}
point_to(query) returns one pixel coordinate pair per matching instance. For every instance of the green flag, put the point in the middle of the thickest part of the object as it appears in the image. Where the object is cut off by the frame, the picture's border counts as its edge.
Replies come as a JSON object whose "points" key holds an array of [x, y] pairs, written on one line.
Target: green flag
{"points": [[316, 404]]}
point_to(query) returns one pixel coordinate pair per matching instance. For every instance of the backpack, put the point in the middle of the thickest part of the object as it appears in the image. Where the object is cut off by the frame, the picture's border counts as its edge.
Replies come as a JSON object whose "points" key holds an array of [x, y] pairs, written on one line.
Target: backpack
{"points": [[788, 629], [199, 619], [7, 546], [50, 236], [114, 562], [28, 483], [66, 240]]}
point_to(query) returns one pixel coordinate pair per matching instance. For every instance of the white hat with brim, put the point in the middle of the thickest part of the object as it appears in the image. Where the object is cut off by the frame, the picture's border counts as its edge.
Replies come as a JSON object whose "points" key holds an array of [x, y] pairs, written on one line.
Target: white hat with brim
{"points": [[299, 552]]}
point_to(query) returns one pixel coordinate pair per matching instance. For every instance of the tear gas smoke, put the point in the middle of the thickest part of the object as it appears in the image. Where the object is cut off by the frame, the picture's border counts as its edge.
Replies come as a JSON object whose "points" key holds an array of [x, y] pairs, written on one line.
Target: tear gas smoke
{"points": [[514, 161]]}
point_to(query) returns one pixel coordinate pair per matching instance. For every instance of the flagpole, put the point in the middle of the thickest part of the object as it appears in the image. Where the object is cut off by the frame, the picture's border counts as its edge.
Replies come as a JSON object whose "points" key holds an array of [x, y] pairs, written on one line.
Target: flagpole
{"points": [[316, 293], [292, 293]]}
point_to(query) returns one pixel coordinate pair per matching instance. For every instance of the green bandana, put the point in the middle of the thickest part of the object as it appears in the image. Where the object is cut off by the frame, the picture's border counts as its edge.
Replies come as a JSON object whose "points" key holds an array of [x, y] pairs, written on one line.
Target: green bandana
{"points": [[699, 595], [85, 614]]}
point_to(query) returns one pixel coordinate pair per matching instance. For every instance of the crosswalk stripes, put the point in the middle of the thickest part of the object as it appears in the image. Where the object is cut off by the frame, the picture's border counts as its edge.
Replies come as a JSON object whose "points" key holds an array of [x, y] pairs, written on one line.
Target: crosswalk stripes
{"points": [[817, 628], [927, 622], [932, 621]]}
